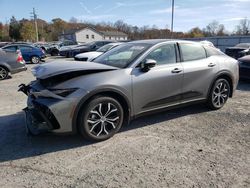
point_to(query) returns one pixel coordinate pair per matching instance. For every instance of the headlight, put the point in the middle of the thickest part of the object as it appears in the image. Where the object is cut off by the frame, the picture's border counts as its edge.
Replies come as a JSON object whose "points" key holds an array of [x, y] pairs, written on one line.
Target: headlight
{"points": [[63, 92]]}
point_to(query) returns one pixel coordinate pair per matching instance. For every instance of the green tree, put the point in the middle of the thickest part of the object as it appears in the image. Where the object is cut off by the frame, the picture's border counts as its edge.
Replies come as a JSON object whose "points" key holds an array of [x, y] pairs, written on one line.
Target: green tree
{"points": [[27, 32], [196, 32], [14, 29]]}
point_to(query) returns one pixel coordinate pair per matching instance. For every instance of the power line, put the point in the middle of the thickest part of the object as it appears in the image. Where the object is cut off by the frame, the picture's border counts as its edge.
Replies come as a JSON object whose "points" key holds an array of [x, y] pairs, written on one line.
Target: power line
{"points": [[34, 16]]}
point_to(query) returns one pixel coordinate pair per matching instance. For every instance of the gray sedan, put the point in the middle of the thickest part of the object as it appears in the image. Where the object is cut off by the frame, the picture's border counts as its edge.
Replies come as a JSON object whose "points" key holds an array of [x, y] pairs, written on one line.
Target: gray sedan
{"points": [[10, 62], [131, 80]]}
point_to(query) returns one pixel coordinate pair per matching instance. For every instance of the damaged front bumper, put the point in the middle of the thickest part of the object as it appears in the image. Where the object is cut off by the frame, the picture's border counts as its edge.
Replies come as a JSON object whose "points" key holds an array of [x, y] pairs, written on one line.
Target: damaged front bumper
{"points": [[47, 111], [39, 119]]}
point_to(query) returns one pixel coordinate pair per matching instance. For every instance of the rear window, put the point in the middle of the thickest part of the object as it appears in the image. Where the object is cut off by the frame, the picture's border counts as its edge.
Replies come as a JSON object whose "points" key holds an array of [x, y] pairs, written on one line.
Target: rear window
{"points": [[191, 52], [213, 51]]}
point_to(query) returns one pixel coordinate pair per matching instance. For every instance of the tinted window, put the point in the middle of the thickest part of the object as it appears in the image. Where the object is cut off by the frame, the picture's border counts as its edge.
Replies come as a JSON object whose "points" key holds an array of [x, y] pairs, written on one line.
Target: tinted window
{"points": [[192, 52], [165, 54], [27, 48], [10, 48]]}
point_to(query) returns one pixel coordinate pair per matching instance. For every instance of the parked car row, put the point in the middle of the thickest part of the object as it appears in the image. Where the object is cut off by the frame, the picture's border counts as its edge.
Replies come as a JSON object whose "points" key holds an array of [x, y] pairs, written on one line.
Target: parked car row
{"points": [[90, 56], [72, 51]]}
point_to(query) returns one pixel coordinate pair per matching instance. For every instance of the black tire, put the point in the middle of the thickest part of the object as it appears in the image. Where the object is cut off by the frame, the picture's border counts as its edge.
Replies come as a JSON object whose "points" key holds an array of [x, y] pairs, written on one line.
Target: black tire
{"points": [[35, 59], [219, 94], [4, 73], [54, 52], [110, 117]]}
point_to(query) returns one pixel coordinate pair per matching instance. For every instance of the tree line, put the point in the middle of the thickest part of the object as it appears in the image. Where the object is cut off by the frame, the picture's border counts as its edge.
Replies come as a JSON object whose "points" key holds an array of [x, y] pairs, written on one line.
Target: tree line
{"points": [[24, 29]]}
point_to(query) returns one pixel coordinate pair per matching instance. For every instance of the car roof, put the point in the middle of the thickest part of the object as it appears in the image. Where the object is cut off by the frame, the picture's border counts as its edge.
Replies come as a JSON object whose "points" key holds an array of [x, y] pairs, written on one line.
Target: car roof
{"points": [[157, 41], [29, 45]]}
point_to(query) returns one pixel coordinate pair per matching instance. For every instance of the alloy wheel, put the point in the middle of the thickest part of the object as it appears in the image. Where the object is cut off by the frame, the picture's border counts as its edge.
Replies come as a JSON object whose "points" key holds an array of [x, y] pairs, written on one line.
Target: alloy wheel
{"points": [[103, 119], [35, 60], [220, 94], [3, 73]]}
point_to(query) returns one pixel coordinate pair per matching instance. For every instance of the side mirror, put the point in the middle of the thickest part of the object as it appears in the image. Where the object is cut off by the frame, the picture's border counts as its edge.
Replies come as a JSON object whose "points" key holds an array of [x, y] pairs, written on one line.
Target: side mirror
{"points": [[147, 65]]}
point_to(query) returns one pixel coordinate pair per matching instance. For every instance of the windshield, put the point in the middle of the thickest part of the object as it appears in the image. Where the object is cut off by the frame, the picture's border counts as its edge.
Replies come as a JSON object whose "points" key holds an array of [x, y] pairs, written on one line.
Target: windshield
{"points": [[105, 48], [122, 55]]}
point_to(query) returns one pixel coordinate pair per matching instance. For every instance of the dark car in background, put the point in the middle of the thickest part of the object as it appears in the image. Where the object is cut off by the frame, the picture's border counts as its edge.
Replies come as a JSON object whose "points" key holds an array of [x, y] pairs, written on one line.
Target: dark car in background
{"points": [[53, 47], [89, 56], [239, 50], [29, 52], [88, 47], [244, 64], [10, 62]]}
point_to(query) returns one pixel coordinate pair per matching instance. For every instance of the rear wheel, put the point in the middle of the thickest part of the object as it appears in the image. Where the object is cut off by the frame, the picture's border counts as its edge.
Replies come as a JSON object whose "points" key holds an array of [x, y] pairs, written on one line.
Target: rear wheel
{"points": [[3, 73], [101, 118], [35, 59], [219, 94]]}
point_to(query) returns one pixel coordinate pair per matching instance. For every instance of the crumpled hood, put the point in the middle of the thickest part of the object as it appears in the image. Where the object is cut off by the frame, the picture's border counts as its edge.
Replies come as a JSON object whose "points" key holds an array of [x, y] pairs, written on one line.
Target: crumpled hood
{"points": [[59, 67]]}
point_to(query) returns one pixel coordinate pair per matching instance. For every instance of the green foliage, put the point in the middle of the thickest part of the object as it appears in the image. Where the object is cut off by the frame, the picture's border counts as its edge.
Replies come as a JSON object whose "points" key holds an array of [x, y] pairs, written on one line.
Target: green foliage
{"points": [[28, 32], [14, 29]]}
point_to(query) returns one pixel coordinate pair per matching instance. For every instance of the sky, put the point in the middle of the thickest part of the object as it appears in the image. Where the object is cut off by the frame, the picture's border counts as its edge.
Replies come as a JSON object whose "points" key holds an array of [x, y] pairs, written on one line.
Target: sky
{"points": [[188, 13]]}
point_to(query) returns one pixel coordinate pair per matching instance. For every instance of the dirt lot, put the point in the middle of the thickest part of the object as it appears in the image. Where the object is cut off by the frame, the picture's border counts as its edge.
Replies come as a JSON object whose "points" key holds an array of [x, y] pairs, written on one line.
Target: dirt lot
{"points": [[188, 147]]}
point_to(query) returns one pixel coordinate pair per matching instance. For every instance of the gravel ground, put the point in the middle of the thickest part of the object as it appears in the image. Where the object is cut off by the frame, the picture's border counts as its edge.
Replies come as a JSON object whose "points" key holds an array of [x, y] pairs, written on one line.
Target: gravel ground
{"points": [[188, 147]]}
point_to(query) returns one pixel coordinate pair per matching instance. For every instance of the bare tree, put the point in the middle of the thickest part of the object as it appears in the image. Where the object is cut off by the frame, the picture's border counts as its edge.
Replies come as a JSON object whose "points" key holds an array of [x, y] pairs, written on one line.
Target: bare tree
{"points": [[243, 28]]}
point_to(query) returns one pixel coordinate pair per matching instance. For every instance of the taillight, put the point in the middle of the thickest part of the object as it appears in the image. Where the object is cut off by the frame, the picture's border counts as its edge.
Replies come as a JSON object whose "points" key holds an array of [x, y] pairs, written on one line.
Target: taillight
{"points": [[20, 58]]}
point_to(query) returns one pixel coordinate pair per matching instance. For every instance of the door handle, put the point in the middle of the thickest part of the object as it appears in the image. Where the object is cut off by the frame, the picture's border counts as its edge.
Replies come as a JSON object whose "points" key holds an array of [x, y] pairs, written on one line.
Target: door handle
{"points": [[211, 64], [176, 70]]}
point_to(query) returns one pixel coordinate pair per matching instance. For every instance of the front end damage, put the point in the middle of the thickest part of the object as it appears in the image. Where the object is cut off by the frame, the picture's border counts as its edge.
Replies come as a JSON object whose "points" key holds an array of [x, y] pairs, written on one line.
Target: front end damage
{"points": [[47, 111], [38, 116]]}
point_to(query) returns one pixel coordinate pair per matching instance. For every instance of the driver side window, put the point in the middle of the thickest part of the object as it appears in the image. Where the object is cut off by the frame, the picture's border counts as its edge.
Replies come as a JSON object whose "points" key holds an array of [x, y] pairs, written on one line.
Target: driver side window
{"points": [[165, 54]]}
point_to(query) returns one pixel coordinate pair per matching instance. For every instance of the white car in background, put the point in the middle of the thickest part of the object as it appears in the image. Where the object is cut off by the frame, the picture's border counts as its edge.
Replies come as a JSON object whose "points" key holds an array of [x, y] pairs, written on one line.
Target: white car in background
{"points": [[89, 56]]}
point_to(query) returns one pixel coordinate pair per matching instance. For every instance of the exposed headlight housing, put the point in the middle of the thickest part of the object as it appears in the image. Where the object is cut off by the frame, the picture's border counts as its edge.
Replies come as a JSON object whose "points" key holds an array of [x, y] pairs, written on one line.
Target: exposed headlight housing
{"points": [[63, 92]]}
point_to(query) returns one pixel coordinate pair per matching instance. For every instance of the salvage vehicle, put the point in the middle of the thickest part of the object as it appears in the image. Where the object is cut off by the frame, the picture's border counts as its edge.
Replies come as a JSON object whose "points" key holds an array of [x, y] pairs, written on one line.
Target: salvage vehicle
{"points": [[239, 50], [89, 56], [10, 62], [244, 64], [98, 98], [29, 52]]}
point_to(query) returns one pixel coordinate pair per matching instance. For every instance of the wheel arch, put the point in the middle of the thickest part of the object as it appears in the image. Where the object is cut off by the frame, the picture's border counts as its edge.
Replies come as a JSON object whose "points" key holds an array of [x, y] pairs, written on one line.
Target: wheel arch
{"points": [[118, 95], [226, 75], [5, 66]]}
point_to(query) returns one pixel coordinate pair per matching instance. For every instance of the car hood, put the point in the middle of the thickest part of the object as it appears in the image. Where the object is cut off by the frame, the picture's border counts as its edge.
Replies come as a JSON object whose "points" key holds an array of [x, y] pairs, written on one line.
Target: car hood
{"points": [[236, 48], [245, 58], [56, 68], [90, 55]]}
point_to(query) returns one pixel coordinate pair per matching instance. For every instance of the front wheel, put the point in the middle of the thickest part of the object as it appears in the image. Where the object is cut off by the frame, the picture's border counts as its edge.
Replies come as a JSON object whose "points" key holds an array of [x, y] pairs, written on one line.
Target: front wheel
{"points": [[219, 94], [35, 59], [101, 118]]}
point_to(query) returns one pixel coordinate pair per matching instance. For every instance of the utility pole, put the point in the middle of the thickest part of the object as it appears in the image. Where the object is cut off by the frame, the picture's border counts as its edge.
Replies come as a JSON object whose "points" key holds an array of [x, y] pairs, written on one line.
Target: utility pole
{"points": [[34, 16], [172, 19]]}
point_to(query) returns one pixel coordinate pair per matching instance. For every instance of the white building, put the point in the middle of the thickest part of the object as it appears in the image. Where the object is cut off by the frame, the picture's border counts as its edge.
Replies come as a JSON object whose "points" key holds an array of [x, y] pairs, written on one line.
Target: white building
{"points": [[89, 34]]}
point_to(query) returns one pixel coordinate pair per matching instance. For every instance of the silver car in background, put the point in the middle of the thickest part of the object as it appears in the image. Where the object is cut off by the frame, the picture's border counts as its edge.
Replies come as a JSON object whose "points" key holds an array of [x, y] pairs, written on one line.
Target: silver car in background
{"points": [[131, 80]]}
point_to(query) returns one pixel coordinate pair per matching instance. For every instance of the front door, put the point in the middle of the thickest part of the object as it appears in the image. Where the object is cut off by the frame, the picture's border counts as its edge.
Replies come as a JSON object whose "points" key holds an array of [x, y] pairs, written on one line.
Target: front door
{"points": [[161, 86]]}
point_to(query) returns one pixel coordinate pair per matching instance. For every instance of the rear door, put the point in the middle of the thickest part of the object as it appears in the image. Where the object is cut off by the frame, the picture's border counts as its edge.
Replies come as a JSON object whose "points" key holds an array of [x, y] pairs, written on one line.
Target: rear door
{"points": [[26, 52], [199, 71]]}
